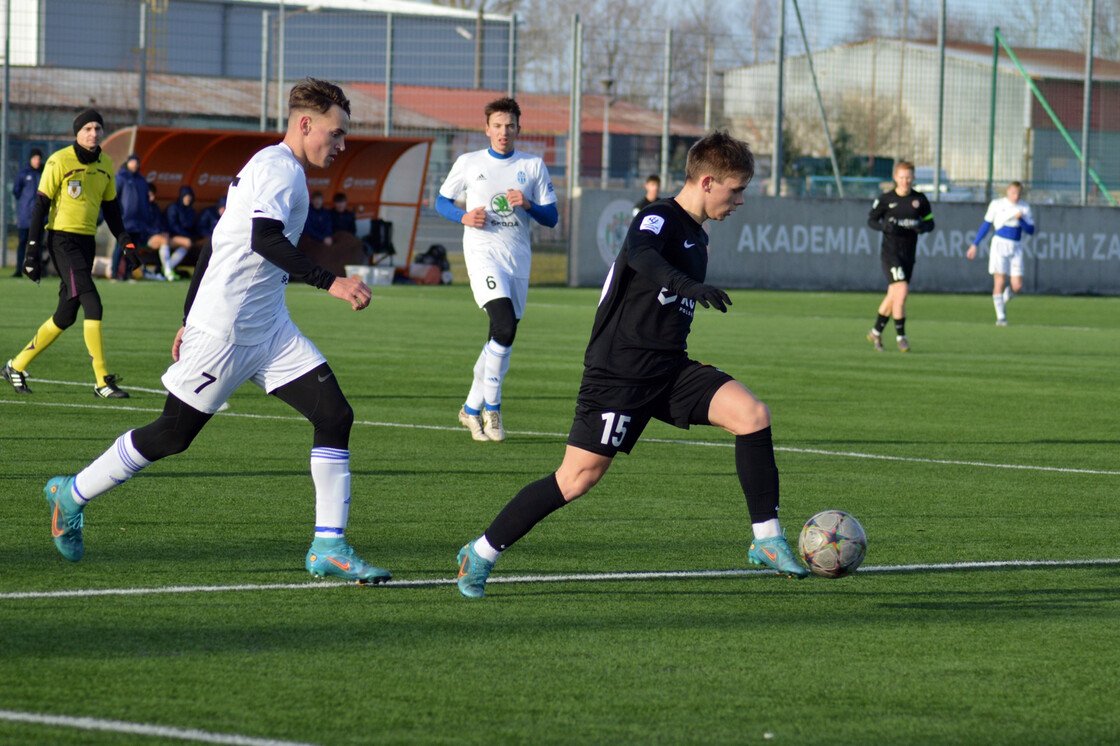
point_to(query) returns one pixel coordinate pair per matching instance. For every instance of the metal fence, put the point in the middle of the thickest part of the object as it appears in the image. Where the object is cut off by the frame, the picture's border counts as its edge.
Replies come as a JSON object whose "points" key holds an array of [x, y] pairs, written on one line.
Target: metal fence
{"points": [[614, 90]]}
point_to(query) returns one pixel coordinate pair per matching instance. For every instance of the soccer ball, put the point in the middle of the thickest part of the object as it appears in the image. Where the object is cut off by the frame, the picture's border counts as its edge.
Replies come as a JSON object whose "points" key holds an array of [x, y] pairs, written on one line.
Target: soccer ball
{"points": [[832, 544]]}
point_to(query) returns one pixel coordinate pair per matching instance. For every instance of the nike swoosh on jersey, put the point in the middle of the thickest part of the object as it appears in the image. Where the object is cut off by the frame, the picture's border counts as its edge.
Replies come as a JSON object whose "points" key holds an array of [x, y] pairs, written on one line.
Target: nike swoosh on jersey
{"points": [[892, 205], [326, 377], [689, 244]]}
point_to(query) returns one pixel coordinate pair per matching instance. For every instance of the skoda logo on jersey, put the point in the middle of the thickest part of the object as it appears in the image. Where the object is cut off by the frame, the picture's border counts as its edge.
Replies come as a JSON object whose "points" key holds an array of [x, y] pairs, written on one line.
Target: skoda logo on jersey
{"points": [[74, 188], [501, 205], [522, 178]]}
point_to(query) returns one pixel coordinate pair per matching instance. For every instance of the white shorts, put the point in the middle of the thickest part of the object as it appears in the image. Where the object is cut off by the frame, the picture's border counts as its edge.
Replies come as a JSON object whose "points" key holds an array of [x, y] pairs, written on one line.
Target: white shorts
{"points": [[1005, 257], [488, 282], [209, 370]]}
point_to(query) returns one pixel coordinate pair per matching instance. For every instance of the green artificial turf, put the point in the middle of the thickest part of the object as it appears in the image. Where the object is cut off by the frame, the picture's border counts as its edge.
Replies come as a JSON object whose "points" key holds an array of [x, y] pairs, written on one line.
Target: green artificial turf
{"points": [[982, 445]]}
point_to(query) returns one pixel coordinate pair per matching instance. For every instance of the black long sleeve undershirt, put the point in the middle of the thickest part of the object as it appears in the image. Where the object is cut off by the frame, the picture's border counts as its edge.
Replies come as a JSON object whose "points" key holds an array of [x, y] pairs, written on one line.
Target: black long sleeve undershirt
{"points": [[111, 209], [39, 211], [652, 265], [196, 279], [270, 242]]}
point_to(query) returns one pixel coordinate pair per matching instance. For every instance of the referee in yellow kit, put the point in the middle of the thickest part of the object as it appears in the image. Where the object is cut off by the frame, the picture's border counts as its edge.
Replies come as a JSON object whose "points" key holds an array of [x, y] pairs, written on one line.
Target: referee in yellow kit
{"points": [[77, 183]]}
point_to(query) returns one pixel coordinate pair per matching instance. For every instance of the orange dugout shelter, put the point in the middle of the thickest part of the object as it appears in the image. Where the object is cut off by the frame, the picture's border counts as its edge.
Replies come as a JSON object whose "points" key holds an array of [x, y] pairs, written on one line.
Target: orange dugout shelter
{"points": [[383, 177]]}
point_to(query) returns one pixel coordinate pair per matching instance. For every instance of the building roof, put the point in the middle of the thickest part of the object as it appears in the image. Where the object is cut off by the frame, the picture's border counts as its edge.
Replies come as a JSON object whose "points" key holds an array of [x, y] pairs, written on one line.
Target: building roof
{"points": [[1038, 62], [541, 114], [414, 107], [398, 7]]}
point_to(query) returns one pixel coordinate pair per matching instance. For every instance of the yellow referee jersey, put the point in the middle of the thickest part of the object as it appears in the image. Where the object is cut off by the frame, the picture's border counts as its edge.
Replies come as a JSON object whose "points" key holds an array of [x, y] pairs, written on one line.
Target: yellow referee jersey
{"points": [[76, 190]]}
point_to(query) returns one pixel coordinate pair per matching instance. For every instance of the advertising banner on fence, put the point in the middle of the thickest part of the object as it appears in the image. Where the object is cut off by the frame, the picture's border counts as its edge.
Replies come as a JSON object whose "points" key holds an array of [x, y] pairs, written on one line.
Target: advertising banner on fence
{"points": [[806, 244]]}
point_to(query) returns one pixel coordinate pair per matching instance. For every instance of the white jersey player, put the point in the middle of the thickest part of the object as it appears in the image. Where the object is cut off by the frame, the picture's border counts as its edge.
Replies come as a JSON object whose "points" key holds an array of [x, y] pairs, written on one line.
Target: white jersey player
{"points": [[1010, 218], [237, 329], [504, 187]]}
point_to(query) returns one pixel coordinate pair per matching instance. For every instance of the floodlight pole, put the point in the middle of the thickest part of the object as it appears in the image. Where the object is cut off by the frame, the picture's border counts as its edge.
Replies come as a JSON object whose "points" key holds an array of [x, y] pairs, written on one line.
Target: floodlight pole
{"points": [[280, 97], [940, 101], [142, 107], [4, 135], [1087, 104], [992, 117], [264, 69], [776, 166], [387, 129]]}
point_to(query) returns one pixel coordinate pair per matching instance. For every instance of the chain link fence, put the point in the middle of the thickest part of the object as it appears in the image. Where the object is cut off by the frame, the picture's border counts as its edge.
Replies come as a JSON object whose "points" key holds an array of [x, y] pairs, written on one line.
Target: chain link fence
{"points": [[861, 84]]}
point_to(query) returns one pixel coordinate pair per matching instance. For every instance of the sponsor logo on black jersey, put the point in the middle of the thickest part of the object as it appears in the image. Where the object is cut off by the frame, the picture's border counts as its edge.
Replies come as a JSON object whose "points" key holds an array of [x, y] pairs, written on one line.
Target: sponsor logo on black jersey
{"points": [[687, 306], [652, 223]]}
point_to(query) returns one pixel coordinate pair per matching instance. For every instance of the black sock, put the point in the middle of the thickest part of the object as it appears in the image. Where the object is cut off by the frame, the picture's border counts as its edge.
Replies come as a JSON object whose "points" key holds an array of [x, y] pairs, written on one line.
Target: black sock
{"points": [[758, 474], [900, 326], [531, 505], [881, 322]]}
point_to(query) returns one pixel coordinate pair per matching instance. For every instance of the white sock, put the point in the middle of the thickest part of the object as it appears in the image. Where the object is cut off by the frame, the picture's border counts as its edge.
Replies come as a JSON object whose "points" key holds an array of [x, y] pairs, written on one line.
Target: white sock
{"points": [[483, 549], [497, 364], [330, 471], [1008, 294], [176, 258], [998, 302], [116, 466], [475, 396], [165, 257], [767, 529]]}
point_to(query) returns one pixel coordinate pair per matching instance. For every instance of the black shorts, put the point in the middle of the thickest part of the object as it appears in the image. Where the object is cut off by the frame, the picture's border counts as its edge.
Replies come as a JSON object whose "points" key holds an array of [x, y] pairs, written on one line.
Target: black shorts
{"points": [[73, 258], [898, 267], [610, 419]]}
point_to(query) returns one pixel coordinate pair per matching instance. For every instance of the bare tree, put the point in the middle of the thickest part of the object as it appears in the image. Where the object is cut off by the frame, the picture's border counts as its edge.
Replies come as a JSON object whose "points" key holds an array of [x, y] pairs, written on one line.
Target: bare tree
{"points": [[504, 7]]}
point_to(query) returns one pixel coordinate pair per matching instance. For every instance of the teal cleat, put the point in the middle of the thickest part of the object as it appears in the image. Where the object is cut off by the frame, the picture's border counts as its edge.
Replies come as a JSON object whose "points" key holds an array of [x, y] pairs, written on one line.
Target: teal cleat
{"points": [[473, 572], [775, 552], [337, 558], [66, 518]]}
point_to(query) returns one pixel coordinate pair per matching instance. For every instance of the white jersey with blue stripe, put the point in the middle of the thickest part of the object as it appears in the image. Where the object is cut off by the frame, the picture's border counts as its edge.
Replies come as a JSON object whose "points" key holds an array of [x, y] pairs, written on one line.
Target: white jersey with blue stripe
{"points": [[485, 177], [1004, 217]]}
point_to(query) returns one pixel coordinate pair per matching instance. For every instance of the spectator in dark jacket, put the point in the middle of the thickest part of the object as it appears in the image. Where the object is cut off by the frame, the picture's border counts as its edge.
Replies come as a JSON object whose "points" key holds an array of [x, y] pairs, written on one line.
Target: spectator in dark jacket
{"points": [[342, 219], [132, 192], [319, 224], [208, 218], [24, 190], [184, 232]]}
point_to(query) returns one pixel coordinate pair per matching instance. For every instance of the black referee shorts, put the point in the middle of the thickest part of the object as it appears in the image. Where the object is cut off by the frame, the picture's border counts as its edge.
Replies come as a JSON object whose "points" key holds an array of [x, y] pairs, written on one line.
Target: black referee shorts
{"points": [[73, 258], [611, 418]]}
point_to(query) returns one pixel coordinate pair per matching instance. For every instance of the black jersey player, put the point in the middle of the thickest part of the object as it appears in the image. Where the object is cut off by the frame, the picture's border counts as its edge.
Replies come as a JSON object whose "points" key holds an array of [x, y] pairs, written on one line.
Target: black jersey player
{"points": [[901, 214], [636, 368]]}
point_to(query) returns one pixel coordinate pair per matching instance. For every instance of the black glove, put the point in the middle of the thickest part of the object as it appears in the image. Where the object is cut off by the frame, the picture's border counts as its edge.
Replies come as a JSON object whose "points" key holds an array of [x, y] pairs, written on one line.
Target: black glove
{"points": [[890, 226], [131, 255], [709, 295], [31, 263]]}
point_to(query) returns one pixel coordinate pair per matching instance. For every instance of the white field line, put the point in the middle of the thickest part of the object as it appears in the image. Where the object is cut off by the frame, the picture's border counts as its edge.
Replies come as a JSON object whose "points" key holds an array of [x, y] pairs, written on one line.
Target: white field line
{"points": [[140, 729], [675, 441], [594, 577]]}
